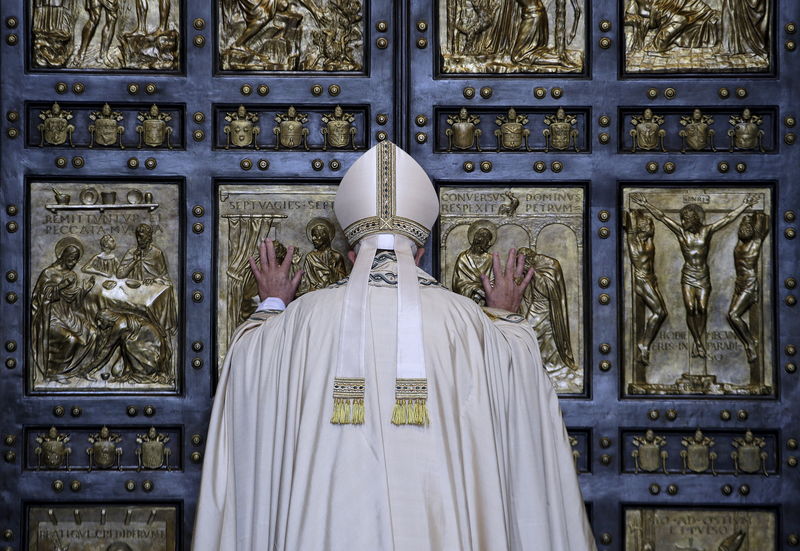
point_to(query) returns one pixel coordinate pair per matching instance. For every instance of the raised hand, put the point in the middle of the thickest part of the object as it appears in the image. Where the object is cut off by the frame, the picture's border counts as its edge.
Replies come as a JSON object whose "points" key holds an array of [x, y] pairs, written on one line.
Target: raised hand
{"points": [[273, 277], [509, 283]]}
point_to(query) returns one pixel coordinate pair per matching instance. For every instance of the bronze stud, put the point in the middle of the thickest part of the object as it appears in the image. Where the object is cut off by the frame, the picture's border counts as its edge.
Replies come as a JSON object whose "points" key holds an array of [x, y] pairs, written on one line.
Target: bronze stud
{"points": [[539, 92], [744, 489], [381, 135], [61, 87], [422, 26], [75, 411], [556, 92], [246, 89], [149, 411], [605, 25], [793, 539], [12, 227], [724, 93], [11, 276], [790, 350], [790, 367], [61, 162], [672, 414], [12, 39], [726, 489], [421, 137], [12, 133], [246, 164], [198, 135], [422, 43], [741, 93], [130, 485], [791, 461], [78, 88], [790, 45], [789, 138], [334, 89], [604, 282], [790, 283], [605, 348], [77, 162], [263, 164], [655, 489], [605, 442], [789, 121], [741, 167], [197, 277], [262, 89], [75, 485], [198, 210], [12, 210], [652, 414], [486, 166], [12, 116], [11, 439], [670, 93], [199, 117], [723, 166], [605, 459], [381, 118], [486, 92], [790, 300], [605, 365], [334, 164], [742, 415], [10, 456], [57, 486], [12, 22], [790, 27], [381, 26], [652, 93], [556, 166], [382, 43], [150, 88], [131, 411], [199, 41], [421, 120], [197, 363], [59, 411], [197, 296], [604, 216], [604, 138], [150, 163], [199, 24], [147, 485], [198, 227], [11, 363], [604, 232], [11, 297], [651, 167], [791, 443], [197, 346], [316, 89], [605, 538], [725, 415], [133, 162], [317, 164], [539, 166], [672, 489], [11, 346], [669, 167], [469, 166], [196, 457], [196, 440], [604, 120], [469, 92], [604, 298], [790, 233], [789, 216]]}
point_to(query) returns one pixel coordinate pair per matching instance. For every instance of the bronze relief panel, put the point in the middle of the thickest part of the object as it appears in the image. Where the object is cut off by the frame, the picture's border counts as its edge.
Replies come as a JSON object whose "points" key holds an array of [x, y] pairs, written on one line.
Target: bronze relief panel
{"points": [[512, 36], [104, 281], [709, 331], [296, 215], [547, 225], [699, 529], [698, 36], [307, 35], [109, 35], [106, 527]]}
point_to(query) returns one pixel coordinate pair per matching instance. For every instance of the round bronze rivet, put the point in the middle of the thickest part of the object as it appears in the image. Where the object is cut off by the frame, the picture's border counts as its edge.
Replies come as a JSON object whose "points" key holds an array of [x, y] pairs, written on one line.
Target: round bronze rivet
{"points": [[539, 92], [604, 232], [198, 135], [12, 133], [317, 164], [790, 27], [741, 93], [791, 443], [198, 210], [12, 210], [334, 89], [333, 164], [604, 138], [790, 350], [652, 414], [197, 227], [605, 365], [789, 138], [670, 93], [469, 92], [199, 24], [12, 116], [723, 166], [59, 411], [199, 41], [604, 120], [61, 162], [199, 117], [149, 411], [741, 167], [422, 26], [150, 163], [790, 283], [197, 346], [790, 45], [486, 92], [12, 39], [197, 296], [605, 442], [604, 282], [61, 87], [10, 439], [57, 485], [130, 485], [672, 489], [77, 162], [147, 485], [196, 440], [556, 166], [744, 489], [655, 489], [669, 167], [133, 162], [422, 43], [604, 216], [78, 88], [604, 298], [197, 363], [10, 456], [605, 43], [789, 216], [11, 363], [421, 137], [133, 88], [789, 121], [11, 22], [605, 459], [469, 166], [790, 233], [742, 415], [246, 89], [12, 227], [11, 297], [791, 461], [604, 348], [316, 89], [381, 118], [11, 346], [131, 411], [196, 457], [790, 367], [790, 300], [150, 88], [793, 539], [486, 166], [651, 167], [381, 135], [381, 26], [557, 92], [672, 414], [726, 489], [246, 164], [75, 486], [605, 25], [8, 534], [605, 538], [724, 93], [652, 93], [539, 166], [382, 43], [11, 276], [262, 89], [76, 411], [725, 415], [197, 277], [263, 164]]}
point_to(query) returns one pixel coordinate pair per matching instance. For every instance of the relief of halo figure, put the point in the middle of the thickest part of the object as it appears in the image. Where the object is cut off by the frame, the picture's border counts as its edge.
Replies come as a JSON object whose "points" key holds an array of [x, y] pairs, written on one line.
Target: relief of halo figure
{"points": [[476, 261], [639, 232], [694, 238], [746, 254], [62, 335], [544, 305]]}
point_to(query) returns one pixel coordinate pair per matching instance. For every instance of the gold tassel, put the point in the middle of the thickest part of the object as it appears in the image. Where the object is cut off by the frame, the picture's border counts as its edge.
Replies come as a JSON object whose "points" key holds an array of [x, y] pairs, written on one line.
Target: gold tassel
{"points": [[358, 411], [411, 407], [348, 401]]}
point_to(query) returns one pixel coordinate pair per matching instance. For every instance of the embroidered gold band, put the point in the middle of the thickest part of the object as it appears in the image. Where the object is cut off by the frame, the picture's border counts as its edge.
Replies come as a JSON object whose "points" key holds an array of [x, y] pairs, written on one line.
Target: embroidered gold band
{"points": [[348, 401], [395, 224], [410, 407]]}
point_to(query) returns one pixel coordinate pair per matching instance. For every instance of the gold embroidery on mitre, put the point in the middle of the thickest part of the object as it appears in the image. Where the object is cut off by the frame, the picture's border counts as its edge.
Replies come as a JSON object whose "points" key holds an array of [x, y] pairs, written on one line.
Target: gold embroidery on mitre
{"points": [[411, 407], [348, 401]]}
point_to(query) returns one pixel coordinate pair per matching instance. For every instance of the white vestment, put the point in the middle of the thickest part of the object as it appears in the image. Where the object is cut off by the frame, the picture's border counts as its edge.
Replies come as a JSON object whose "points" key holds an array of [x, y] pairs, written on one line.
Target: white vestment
{"points": [[493, 471]]}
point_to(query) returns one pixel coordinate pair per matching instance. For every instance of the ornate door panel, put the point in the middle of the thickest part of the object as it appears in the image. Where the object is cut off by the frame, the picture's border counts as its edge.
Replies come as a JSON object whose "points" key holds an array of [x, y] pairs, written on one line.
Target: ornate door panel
{"points": [[641, 152], [146, 146]]}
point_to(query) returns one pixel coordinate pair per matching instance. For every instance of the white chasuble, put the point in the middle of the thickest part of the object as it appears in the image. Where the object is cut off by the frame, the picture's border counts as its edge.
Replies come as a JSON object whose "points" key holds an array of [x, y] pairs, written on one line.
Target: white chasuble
{"points": [[492, 471]]}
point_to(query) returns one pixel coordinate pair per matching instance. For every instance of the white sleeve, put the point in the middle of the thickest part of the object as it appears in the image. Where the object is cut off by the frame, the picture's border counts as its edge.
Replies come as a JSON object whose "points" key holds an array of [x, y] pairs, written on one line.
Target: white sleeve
{"points": [[271, 303]]}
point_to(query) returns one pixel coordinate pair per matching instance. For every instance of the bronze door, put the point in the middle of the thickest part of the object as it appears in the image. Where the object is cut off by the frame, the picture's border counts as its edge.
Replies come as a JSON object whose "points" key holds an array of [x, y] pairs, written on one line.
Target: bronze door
{"points": [[641, 153]]}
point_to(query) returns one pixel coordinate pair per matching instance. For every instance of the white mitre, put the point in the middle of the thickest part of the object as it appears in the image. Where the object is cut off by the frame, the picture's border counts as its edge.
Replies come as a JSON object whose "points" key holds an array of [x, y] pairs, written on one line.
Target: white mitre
{"points": [[384, 201], [386, 191]]}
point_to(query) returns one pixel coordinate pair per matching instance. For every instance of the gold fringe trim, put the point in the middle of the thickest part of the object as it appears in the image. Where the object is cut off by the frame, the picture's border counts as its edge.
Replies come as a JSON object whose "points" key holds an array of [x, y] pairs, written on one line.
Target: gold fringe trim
{"points": [[411, 412], [348, 401]]}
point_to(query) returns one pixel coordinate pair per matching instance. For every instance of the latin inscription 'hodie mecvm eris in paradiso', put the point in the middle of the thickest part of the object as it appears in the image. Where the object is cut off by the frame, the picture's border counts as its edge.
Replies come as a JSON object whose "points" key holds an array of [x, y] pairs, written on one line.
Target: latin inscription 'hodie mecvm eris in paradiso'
{"points": [[292, 215], [700, 530], [547, 226], [698, 305], [104, 272]]}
